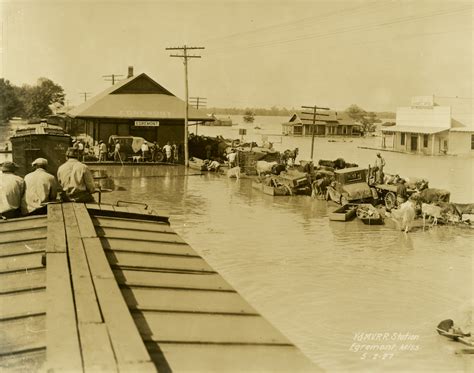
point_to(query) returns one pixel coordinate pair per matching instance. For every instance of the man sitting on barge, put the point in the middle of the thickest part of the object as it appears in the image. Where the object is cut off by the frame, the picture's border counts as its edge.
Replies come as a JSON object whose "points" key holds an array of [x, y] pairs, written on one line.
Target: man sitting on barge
{"points": [[12, 188], [41, 187], [75, 179]]}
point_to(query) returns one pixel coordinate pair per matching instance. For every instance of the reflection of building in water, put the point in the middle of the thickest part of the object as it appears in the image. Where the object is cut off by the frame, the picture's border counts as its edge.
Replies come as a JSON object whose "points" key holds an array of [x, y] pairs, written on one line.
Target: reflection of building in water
{"points": [[137, 106], [426, 127]]}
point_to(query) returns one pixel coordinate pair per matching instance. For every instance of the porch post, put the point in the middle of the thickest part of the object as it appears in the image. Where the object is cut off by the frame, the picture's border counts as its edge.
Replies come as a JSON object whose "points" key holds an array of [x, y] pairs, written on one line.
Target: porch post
{"points": [[433, 139]]}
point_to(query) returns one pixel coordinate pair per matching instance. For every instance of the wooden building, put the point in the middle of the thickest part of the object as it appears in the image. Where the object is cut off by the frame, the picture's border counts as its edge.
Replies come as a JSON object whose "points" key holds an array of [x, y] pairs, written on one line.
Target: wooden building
{"points": [[428, 128], [334, 124], [136, 106]]}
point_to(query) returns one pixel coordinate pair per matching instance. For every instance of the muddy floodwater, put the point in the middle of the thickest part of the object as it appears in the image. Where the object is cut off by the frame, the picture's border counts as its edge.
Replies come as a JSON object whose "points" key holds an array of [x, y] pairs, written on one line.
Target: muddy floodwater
{"points": [[351, 297], [324, 284]]}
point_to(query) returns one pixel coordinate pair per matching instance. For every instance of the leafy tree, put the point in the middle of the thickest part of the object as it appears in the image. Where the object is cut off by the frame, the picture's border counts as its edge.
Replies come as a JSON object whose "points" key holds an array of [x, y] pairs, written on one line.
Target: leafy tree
{"points": [[10, 105], [249, 116], [367, 120], [40, 96]]}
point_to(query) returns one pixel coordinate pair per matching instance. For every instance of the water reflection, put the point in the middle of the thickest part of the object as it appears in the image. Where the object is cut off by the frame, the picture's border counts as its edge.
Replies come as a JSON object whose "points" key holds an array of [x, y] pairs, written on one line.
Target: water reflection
{"points": [[318, 281]]}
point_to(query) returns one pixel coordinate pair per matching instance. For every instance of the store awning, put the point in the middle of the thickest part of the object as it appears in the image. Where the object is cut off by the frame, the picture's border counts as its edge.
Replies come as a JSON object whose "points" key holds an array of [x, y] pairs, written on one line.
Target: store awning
{"points": [[415, 129]]}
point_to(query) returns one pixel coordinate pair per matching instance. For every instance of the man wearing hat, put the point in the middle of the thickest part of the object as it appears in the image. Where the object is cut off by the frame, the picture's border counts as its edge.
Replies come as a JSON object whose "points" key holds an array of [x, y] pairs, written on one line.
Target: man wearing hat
{"points": [[12, 188], [102, 151], [75, 179], [378, 168], [41, 188]]}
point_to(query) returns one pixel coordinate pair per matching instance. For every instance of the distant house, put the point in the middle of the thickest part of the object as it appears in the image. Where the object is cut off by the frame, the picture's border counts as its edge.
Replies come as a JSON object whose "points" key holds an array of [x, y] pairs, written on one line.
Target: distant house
{"points": [[428, 128], [334, 124]]}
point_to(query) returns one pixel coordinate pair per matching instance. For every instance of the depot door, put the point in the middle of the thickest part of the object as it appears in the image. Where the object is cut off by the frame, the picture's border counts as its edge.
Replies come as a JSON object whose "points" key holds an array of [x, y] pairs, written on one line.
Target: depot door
{"points": [[414, 143]]}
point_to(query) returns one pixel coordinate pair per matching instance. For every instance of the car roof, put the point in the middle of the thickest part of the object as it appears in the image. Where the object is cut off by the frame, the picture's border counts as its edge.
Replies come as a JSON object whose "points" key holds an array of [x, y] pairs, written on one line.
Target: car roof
{"points": [[350, 169]]}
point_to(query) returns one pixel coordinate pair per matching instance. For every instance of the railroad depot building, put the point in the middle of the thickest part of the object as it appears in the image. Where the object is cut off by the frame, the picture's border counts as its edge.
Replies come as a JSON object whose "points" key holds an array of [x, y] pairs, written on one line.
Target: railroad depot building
{"points": [[136, 106], [431, 129], [332, 124]]}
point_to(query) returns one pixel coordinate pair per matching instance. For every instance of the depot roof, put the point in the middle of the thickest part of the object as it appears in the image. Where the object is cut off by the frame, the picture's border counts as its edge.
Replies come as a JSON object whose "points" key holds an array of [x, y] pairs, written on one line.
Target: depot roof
{"points": [[138, 97]]}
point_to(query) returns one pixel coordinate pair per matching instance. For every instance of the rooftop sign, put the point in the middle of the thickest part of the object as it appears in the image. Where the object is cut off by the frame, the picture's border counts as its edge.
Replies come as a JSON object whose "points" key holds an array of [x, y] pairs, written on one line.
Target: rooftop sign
{"points": [[422, 101]]}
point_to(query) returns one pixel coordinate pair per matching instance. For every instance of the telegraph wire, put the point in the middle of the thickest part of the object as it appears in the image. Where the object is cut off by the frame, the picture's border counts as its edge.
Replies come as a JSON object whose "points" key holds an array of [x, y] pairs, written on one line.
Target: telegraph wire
{"points": [[343, 30]]}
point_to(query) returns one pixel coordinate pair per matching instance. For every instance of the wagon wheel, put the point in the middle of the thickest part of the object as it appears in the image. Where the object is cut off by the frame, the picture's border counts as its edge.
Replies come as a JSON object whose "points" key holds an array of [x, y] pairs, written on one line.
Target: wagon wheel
{"points": [[390, 200], [159, 157]]}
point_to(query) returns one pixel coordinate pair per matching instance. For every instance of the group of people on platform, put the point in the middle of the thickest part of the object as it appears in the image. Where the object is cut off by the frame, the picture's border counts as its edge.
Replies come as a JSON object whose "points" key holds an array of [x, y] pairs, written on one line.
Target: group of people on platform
{"points": [[30, 196]]}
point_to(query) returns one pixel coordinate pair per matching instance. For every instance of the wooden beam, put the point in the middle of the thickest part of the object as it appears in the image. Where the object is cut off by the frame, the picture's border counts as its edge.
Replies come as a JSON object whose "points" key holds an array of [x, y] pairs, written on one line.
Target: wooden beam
{"points": [[96, 348], [84, 221], [62, 340], [128, 346], [87, 308], [56, 236]]}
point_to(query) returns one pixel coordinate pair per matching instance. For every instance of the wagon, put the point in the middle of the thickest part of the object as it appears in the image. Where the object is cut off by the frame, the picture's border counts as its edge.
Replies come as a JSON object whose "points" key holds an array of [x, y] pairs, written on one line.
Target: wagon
{"points": [[388, 194]]}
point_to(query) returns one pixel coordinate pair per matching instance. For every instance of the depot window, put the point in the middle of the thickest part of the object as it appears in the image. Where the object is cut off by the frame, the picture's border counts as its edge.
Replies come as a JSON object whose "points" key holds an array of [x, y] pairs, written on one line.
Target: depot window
{"points": [[472, 142], [402, 139], [425, 141]]}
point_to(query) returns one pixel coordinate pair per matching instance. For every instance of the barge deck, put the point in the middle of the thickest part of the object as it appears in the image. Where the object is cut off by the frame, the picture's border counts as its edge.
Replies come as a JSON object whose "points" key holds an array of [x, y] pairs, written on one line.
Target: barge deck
{"points": [[106, 288]]}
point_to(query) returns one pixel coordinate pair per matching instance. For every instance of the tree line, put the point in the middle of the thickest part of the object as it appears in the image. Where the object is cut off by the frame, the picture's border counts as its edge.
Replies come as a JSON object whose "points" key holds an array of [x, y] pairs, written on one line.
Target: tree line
{"points": [[29, 101]]}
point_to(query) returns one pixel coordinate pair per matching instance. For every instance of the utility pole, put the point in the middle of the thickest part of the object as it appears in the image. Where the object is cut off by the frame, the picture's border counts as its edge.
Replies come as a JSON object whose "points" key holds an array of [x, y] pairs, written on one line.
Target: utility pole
{"points": [[196, 101], [185, 57], [112, 78], [313, 120], [85, 95]]}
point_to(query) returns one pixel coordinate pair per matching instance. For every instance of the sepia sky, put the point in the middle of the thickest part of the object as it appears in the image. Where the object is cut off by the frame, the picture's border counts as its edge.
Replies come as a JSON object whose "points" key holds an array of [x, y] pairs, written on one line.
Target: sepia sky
{"points": [[259, 53]]}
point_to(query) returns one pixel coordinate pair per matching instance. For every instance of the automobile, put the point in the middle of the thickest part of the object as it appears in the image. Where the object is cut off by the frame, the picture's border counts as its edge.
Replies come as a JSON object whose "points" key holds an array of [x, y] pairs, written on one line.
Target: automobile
{"points": [[131, 146], [350, 185]]}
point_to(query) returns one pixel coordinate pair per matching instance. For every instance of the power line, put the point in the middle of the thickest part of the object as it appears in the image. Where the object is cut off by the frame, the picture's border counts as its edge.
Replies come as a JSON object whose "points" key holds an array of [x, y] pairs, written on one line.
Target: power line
{"points": [[313, 120], [348, 29], [299, 22], [112, 78], [85, 94], [198, 102], [185, 57]]}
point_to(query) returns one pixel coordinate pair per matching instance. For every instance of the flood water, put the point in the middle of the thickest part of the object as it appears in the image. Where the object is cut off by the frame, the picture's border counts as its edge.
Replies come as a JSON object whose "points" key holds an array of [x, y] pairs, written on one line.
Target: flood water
{"points": [[323, 283]]}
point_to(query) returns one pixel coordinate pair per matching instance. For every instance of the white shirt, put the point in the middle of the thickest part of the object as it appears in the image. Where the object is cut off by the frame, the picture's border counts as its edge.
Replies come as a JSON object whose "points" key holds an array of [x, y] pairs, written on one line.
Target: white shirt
{"points": [[74, 176], [144, 147], [231, 157], [167, 149], [41, 187], [12, 188]]}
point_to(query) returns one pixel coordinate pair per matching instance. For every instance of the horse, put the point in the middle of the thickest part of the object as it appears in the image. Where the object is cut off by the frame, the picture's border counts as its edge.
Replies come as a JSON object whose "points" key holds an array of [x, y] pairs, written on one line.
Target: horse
{"points": [[289, 154]]}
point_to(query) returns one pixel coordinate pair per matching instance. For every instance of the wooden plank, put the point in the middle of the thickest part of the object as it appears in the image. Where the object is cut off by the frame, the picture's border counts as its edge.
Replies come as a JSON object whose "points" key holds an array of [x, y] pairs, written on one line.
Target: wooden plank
{"points": [[98, 264], [87, 308], [94, 206], [84, 221], [207, 328], [22, 223], [30, 361], [148, 246], [142, 236], [22, 334], [21, 280], [63, 351], [187, 300], [24, 235], [105, 221], [126, 341], [158, 261], [23, 247], [211, 281], [24, 303], [56, 238], [147, 366], [120, 208], [96, 349], [16, 262], [106, 207], [222, 358]]}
